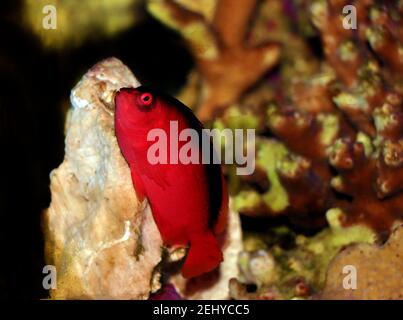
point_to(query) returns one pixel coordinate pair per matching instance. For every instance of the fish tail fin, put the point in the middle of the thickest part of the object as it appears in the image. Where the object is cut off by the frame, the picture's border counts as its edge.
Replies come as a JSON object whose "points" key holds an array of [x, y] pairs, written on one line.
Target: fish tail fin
{"points": [[204, 255]]}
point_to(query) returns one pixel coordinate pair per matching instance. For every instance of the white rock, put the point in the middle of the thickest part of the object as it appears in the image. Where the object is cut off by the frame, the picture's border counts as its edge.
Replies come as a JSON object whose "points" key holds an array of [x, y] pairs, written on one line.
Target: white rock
{"points": [[102, 240]]}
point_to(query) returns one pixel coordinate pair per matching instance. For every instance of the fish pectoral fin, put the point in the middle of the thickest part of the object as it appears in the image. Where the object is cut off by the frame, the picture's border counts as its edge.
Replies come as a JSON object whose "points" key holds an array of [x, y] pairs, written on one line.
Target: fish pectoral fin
{"points": [[138, 184]]}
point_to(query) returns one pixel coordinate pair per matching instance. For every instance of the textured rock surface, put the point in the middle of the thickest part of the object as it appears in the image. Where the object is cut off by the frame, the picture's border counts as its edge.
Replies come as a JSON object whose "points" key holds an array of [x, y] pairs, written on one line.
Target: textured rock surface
{"points": [[379, 271], [102, 240]]}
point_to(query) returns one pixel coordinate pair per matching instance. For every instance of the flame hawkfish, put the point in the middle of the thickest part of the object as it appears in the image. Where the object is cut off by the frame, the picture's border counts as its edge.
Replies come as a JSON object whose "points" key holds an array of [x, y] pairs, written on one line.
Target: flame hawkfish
{"points": [[189, 201]]}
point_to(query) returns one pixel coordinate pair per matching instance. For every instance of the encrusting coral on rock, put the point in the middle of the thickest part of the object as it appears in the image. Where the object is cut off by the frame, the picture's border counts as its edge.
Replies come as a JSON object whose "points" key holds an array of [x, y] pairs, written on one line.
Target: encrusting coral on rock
{"points": [[379, 271], [285, 265], [102, 240]]}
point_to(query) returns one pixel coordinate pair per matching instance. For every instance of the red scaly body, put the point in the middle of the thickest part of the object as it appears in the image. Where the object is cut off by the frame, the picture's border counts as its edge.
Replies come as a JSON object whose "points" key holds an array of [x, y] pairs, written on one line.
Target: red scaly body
{"points": [[189, 201]]}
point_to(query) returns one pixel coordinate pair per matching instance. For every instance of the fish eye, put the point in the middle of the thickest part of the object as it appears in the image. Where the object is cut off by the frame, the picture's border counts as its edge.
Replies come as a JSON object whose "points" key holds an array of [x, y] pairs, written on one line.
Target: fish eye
{"points": [[146, 99]]}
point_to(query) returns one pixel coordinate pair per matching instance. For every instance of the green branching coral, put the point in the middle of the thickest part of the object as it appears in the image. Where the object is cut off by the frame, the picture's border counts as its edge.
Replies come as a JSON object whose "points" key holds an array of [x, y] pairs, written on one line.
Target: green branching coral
{"points": [[269, 155]]}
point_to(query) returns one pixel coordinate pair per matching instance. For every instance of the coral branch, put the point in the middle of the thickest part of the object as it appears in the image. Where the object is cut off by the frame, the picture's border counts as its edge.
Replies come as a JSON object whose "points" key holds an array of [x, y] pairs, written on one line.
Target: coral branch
{"points": [[358, 178], [227, 65], [231, 21]]}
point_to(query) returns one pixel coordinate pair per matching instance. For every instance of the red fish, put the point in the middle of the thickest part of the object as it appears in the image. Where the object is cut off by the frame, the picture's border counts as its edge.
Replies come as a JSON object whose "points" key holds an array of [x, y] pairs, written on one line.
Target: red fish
{"points": [[189, 202]]}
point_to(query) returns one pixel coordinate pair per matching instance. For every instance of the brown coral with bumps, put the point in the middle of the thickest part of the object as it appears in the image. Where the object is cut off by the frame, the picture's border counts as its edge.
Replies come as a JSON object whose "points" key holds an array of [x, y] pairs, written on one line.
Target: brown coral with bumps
{"points": [[370, 172], [346, 114]]}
